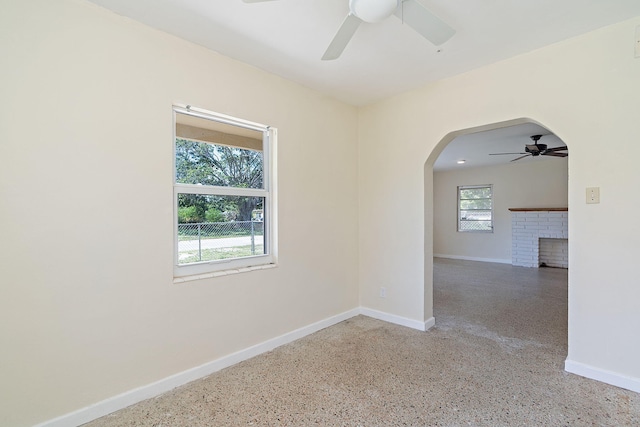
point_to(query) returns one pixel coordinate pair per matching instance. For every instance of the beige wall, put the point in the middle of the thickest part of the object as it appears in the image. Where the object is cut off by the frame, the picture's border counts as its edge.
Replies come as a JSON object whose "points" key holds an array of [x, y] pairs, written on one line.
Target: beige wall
{"points": [[585, 90], [88, 306], [539, 182]]}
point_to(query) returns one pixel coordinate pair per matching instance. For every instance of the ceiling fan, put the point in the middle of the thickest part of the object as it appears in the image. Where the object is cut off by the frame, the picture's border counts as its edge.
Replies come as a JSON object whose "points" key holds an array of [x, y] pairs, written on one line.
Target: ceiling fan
{"points": [[411, 12], [536, 149]]}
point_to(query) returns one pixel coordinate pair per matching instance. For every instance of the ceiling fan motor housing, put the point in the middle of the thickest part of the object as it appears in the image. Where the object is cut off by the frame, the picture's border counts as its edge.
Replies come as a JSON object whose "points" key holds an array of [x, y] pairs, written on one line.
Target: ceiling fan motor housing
{"points": [[535, 149], [373, 11]]}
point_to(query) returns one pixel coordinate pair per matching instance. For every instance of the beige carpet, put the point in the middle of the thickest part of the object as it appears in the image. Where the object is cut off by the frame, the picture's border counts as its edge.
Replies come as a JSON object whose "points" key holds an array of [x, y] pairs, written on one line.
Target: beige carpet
{"points": [[494, 358]]}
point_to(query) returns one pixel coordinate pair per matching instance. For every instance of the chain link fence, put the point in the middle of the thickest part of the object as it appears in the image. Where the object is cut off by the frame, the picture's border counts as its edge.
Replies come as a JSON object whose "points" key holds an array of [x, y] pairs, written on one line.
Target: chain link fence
{"points": [[475, 220], [209, 241]]}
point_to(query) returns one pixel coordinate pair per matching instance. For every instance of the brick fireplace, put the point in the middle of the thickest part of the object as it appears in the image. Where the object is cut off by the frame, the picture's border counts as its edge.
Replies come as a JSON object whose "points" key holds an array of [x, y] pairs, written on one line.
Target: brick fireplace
{"points": [[539, 235]]}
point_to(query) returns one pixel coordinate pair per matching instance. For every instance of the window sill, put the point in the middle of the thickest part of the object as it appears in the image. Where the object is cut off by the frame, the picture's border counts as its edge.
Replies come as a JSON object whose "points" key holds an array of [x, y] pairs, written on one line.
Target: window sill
{"points": [[222, 273]]}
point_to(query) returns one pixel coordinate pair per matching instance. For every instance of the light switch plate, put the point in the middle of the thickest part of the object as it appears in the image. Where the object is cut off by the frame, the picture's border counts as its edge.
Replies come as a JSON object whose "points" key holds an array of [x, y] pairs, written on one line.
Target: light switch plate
{"points": [[593, 195]]}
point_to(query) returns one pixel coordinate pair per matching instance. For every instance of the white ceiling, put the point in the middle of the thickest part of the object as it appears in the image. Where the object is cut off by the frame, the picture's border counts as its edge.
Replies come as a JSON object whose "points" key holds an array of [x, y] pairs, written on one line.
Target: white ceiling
{"points": [[475, 148], [288, 38]]}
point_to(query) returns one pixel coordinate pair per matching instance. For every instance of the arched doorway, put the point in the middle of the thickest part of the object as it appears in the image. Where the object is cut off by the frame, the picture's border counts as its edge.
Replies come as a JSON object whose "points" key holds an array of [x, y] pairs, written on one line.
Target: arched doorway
{"points": [[524, 185]]}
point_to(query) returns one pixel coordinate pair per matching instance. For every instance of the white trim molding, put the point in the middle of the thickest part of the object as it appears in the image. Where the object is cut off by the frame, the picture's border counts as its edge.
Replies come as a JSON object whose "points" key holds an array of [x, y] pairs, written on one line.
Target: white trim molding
{"points": [[139, 394], [398, 320], [613, 378], [149, 391], [164, 385], [473, 258]]}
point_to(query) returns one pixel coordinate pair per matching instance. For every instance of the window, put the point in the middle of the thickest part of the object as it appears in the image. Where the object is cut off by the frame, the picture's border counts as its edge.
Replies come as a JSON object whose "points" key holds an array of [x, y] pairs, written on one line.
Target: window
{"points": [[475, 208], [222, 192]]}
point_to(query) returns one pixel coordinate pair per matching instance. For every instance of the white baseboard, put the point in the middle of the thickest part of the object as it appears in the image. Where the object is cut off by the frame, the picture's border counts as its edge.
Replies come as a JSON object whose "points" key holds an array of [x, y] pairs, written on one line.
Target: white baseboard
{"points": [[473, 258], [398, 320], [149, 391], [602, 375], [131, 397]]}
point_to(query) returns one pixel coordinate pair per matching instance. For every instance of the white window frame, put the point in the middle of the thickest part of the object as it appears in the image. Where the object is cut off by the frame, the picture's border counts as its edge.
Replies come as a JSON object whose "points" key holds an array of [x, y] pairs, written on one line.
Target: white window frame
{"points": [[269, 135], [459, 219]]}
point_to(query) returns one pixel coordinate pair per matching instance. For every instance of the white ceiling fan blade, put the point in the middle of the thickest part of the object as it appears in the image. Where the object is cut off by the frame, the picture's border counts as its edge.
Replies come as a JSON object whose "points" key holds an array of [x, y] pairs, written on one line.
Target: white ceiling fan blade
{"points": [[424, 22], [342, 37]]}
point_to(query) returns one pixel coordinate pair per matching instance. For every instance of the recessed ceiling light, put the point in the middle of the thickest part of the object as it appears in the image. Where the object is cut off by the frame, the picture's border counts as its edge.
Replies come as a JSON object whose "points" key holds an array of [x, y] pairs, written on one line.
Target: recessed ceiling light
{"points": [[461, 161]]}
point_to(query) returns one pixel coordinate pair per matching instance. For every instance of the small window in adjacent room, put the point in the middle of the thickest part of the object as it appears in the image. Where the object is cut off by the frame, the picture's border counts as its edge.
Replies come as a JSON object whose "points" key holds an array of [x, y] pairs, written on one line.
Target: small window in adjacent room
{"points": [[222, 192], [475, 208]]}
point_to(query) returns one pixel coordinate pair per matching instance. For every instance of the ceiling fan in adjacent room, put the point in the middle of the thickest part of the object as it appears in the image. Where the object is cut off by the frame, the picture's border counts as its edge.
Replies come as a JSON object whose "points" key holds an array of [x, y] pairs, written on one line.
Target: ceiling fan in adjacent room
{"points": [[536, 149], [411, 12]]}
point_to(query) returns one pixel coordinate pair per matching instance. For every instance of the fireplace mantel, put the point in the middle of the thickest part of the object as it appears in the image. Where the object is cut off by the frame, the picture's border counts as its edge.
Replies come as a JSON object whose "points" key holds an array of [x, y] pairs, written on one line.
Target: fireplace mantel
{"points": [[538, 209]]}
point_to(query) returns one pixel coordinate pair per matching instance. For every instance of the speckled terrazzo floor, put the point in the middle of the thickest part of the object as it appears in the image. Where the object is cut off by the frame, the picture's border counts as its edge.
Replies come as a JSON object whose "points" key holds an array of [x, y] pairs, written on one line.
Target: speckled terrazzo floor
{"points": [[494, 358]]}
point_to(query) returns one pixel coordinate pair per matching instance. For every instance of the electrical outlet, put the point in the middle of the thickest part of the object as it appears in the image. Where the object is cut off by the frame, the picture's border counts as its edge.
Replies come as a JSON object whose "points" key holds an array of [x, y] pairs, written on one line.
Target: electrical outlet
{"points": [[383, 292], [593, 195]]}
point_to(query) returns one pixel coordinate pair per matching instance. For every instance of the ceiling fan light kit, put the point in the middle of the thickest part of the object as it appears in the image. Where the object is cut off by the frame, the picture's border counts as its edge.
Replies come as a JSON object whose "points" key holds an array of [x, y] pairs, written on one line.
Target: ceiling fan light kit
{"points": [[373, 11]]}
